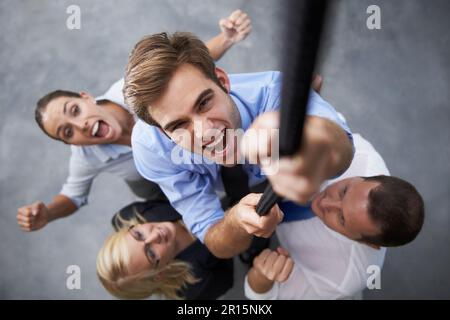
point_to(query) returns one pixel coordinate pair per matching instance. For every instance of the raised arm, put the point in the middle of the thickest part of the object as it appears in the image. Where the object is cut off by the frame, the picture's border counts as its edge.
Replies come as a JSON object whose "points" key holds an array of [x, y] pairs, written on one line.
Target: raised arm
{"points": [[235, 28], [36, 215]]}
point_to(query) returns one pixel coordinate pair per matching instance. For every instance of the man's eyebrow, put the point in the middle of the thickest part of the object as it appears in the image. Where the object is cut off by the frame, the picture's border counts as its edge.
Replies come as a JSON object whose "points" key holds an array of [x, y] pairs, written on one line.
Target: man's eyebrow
{"points": [[65, 106], [199, 99], [64, 112], [342, 211], [202, 95]]}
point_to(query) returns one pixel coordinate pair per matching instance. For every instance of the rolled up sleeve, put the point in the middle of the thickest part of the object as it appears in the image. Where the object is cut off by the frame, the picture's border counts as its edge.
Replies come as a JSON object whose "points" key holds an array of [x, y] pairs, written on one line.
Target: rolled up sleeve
{"points": [[79, 181], [320, 108]]}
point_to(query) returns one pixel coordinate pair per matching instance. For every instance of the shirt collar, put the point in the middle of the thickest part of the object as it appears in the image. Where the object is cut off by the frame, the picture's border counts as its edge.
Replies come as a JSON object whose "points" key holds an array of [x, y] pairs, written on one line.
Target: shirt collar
{"points": [[106, 152], [246, 117]]}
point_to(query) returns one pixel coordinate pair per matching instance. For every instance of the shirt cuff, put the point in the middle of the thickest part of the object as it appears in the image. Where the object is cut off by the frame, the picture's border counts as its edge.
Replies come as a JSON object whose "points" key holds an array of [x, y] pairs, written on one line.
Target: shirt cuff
{"points": [[78, 201], [272, 294]]}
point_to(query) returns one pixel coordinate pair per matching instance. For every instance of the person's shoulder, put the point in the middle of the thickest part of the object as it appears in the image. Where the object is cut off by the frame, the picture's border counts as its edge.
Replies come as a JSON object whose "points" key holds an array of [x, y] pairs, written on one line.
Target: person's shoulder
{"points": [[150, 138], [83, 156], [250, 79], [139, 130], [258, 92], [114, 93], [362, 145], [374, 162], [366, 161], [369, 255], [79, 152], [116, 87], [142, 132]]}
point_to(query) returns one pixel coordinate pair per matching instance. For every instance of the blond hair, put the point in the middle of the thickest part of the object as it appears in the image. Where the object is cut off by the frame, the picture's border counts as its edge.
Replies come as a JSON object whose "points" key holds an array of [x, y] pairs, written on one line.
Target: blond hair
{"points": [[152, 63], [112, 269]]}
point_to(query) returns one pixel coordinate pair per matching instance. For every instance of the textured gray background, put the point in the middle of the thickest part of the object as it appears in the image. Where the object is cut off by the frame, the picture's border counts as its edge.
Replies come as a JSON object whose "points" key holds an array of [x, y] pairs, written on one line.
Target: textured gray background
{"points": [[391, 84]]}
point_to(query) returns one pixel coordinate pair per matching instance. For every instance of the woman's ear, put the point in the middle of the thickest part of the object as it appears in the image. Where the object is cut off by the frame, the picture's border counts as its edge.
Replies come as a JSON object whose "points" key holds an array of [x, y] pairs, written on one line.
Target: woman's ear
{"points": [[223, 78]]}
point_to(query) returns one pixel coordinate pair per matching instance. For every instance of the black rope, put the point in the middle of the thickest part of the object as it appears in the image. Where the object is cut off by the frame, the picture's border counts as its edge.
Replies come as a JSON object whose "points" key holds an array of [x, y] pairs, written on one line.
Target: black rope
{"points": [[304, 28]]}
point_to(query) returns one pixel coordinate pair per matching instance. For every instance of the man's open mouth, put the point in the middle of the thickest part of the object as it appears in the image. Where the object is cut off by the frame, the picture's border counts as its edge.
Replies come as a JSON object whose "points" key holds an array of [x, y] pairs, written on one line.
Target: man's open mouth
{"points": [[218, 144], [100, 129]]}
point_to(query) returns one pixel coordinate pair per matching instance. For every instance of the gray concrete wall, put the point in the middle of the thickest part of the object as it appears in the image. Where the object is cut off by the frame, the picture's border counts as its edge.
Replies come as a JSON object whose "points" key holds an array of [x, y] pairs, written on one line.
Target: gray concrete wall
{"points": [[391, 84]]}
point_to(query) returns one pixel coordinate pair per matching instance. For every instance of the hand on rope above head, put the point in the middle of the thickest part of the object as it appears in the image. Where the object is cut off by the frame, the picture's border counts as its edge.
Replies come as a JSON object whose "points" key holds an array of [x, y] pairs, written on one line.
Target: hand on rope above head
{"points": [[326, 152]]}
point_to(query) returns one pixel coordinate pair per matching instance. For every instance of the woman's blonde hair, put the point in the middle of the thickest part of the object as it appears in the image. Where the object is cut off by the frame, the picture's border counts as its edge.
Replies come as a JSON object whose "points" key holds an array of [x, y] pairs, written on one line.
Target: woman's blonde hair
{"points": [[112, 269]]}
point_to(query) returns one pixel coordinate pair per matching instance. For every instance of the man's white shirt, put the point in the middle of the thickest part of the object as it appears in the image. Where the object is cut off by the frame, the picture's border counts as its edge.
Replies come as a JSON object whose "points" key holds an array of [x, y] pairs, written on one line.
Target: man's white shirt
{"points": [[327, 264]]}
